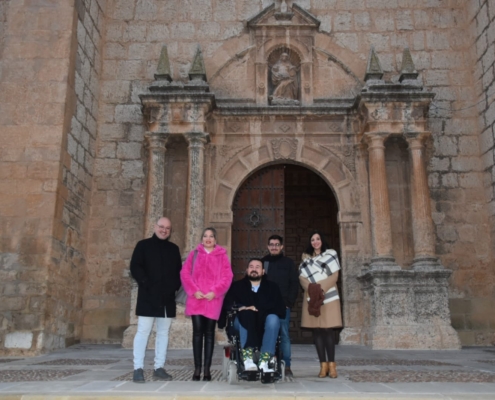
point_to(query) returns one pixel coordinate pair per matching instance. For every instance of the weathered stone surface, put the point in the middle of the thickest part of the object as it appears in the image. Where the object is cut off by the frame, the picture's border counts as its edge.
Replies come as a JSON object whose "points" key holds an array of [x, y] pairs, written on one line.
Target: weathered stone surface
{"points": [[410, 309]]}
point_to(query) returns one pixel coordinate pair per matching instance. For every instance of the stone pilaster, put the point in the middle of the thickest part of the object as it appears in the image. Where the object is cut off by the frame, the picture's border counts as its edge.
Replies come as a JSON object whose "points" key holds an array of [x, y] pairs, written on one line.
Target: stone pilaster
{"points": [[381, 231], [196, 189], [155, 143], [422, 223]]}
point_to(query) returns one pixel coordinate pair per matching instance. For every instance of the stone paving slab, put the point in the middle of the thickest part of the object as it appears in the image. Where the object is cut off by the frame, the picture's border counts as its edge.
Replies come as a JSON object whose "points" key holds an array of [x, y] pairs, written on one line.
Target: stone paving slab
{"points": [[408, 373]]}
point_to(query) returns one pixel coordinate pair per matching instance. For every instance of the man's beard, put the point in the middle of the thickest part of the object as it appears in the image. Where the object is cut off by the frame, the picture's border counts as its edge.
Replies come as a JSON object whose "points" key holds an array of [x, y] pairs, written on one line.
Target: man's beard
{"points": [[254, 278]]}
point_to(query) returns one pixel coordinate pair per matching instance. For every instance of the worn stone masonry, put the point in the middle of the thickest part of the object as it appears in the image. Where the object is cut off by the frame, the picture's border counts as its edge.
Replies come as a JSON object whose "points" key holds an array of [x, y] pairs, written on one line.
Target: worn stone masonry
{"points": [[115, 112]]}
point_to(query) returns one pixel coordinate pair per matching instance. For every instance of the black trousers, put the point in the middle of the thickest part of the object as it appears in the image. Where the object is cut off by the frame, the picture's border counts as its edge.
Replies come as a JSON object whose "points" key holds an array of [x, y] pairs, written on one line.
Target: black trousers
{"points": [[203, 331], [324, 339]]}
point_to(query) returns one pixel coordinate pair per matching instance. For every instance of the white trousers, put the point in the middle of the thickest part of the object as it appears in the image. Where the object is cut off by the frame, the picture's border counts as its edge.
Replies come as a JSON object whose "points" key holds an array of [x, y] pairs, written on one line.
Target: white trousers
{"points": [[141, 340]]}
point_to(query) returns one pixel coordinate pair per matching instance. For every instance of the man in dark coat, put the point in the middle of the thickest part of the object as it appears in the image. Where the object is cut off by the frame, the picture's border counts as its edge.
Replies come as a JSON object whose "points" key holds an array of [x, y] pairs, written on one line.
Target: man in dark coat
{"points": [[258, 321], [155, 265], [281, 270]]}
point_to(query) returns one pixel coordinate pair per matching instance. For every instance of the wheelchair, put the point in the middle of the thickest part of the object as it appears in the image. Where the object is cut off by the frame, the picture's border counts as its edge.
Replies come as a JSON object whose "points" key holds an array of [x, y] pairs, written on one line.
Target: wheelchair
{"points": [[233, 365]]}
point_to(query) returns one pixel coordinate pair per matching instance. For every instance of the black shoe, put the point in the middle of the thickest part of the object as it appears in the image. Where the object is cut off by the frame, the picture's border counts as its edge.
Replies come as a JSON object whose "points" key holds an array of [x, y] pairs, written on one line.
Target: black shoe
{"points": [[288, 373], [161, 374], [197, 374], [138, 376], [207, 377]]}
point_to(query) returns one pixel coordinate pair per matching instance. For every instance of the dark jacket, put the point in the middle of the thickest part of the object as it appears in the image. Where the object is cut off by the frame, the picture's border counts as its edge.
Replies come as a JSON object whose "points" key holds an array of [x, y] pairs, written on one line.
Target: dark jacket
{"points": [[156, 265], [283, 272], [267, 300]]}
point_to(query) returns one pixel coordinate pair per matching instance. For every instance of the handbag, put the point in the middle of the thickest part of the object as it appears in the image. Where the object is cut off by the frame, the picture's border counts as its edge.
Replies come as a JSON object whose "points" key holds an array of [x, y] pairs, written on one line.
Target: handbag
{"points": [[181, 295]]}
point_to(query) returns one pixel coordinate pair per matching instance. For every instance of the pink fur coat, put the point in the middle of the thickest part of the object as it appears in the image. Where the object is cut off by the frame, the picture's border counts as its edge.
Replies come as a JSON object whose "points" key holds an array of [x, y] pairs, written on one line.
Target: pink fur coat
{"points": [[212, 273]]}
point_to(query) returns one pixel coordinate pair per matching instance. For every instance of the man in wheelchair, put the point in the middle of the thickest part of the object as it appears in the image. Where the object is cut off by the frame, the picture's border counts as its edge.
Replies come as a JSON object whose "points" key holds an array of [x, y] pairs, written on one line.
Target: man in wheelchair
{"points": [[260, 307]]}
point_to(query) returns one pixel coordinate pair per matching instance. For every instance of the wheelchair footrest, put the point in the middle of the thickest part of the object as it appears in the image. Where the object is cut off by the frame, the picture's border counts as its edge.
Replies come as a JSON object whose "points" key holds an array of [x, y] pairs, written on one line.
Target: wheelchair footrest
{"points": [[269, 377], [250, 375]]}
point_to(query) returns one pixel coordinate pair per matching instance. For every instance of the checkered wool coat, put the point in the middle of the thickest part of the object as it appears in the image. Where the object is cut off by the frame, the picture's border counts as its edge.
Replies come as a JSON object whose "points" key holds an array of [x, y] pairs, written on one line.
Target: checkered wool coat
{"points": [[330, 315]]}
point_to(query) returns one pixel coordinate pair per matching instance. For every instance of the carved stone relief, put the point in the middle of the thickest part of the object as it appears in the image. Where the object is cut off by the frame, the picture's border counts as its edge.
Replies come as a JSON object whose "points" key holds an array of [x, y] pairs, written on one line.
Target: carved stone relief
{"points": [[284, 148]]}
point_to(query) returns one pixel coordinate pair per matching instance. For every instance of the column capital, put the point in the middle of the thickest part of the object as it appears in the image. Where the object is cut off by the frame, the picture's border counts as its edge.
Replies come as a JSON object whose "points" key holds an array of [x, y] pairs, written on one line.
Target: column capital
{"points": [[197, 138], [375, 140], [416, 140], [156, 140]]}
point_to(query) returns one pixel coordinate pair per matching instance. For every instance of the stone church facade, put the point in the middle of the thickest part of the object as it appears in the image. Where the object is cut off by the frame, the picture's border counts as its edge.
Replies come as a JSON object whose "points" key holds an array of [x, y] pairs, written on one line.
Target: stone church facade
{"points": [[371, 120]]}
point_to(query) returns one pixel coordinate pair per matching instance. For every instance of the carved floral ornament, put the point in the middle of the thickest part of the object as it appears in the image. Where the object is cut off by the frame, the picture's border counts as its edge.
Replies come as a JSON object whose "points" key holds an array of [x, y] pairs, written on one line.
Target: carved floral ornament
{"points": [[284, 148]]}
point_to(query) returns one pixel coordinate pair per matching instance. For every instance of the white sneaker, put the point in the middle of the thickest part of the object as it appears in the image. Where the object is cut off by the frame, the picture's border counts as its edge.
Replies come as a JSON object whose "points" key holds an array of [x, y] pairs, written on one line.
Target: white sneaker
{"points": [[265, 367], [249, 365]]}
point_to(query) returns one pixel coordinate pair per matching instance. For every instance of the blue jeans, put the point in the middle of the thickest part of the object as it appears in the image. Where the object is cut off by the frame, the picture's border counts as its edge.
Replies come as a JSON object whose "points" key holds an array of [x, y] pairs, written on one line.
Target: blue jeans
{"points": [[141, 340], [272, 327], [285, 338]]}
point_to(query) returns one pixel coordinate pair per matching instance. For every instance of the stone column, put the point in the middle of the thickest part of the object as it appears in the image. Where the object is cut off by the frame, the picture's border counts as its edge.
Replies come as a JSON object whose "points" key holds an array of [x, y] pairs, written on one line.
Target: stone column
{"points": [[155, 143], [196, 189], [156, 180], [423, 231], [380, 207]]}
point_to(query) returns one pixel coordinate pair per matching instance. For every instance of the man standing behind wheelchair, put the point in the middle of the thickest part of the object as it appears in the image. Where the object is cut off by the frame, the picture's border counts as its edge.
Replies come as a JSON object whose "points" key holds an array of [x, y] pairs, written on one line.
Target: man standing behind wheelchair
{"points": [[206, 276], [260, 308], [282, 270]]}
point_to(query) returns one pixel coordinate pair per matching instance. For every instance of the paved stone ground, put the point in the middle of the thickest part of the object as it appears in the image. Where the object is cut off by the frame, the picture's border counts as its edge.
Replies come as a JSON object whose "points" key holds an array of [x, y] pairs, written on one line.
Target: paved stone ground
{"points": [[105, 371]]}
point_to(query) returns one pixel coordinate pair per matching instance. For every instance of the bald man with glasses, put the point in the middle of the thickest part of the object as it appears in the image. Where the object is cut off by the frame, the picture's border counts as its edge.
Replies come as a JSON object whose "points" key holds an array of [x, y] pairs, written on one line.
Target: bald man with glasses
{"points": [[155, 265]]}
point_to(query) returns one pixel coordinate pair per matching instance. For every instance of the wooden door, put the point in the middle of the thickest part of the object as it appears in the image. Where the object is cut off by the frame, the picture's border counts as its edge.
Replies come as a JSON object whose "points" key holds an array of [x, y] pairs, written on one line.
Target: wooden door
{"points": [[258, 213]]}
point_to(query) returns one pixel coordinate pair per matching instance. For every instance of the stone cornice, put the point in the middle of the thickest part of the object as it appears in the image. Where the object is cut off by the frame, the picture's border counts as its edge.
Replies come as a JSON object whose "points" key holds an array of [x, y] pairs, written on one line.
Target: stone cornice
{"points": [[395, 92], [335, 107]]}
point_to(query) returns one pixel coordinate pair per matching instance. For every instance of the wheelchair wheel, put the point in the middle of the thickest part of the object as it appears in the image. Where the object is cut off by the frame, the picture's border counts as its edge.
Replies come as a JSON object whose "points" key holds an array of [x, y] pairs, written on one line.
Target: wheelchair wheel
{"points": [[225, 367], [232, 373]]}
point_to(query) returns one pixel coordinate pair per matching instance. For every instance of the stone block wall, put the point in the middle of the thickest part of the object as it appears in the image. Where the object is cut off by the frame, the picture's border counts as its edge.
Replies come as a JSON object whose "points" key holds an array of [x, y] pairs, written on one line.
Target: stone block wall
{"points": [[471, 310], [35, 62], [438, 34], [68, 269]]}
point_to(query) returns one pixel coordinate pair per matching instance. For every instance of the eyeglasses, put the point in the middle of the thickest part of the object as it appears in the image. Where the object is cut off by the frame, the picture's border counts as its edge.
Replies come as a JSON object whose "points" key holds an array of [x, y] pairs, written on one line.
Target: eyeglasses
{"points": [[274, 245], [163, 227]]}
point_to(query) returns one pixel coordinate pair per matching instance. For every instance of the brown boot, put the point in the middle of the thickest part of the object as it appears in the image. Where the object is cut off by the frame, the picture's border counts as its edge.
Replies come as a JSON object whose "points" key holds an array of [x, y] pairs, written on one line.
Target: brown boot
{"points": [[333, 370], [323, 370]]}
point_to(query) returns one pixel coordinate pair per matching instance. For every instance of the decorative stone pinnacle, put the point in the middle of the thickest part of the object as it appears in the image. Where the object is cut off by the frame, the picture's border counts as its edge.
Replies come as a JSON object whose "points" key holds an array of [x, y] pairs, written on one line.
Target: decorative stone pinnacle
{"points": [[283, 6], [407, 70], [373, 69], [198, 70], [284, 14], [163, 70]]}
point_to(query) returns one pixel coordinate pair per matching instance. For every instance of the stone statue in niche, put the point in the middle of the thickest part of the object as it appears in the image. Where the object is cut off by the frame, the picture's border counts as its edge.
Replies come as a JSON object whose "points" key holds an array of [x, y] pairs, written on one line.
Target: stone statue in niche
{"points": [[284, 81]]}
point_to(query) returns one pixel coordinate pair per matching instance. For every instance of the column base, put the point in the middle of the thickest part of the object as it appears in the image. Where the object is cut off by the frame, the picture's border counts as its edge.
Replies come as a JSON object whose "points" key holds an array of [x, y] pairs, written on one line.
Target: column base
{"points": [[385, 263], [426, 263], [408, 309]]}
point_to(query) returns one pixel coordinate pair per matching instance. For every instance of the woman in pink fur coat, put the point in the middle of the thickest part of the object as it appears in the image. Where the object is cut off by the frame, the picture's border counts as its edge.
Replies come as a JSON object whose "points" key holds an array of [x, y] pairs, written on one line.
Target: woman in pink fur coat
{"points": [[206, 277]]}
